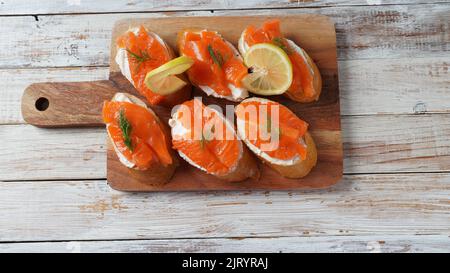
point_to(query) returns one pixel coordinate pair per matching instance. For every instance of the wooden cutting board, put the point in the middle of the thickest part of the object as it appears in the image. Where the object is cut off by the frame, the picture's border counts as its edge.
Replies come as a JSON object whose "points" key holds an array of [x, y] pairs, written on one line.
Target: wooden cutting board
{"points": [[79, 104]]}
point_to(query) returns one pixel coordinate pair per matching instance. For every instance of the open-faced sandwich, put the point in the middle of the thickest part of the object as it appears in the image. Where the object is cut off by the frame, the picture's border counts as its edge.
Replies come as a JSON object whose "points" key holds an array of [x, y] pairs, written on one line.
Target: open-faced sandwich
{"points": [[277, 136], [139, 52], [306, 83], [218, 68], [208, 141], [140, 140]]}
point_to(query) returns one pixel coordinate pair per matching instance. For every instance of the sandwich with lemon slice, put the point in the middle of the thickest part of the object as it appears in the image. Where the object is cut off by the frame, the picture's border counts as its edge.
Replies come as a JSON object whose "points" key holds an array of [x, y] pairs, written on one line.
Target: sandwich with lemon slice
{"points": [[218, 67], [151, 67], [272, 59]]}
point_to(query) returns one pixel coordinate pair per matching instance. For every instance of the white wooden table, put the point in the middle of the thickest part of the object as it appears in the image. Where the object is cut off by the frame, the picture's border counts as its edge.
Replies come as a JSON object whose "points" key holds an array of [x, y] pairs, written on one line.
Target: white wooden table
{"points": [[394, 59]]}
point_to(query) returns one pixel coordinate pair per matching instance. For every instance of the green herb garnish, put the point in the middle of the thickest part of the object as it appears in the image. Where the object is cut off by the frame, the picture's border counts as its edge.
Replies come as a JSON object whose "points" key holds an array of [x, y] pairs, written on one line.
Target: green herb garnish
{"points": [[139, 58], [281, 44], [216, 56], [125, 127]]}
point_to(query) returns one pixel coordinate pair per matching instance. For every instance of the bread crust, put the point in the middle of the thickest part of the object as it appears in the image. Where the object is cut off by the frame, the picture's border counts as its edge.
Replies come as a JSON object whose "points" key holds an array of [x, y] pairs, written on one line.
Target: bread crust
{"points": [[302, 167], [157, 173], [317, 83], [247, 167]]}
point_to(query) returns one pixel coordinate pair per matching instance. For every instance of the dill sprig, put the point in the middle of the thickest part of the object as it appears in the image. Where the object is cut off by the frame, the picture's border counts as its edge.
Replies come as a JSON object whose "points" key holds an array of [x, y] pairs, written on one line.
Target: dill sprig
{"points": [[280, 42], [125, 127], [216, 56], [140, 58]]}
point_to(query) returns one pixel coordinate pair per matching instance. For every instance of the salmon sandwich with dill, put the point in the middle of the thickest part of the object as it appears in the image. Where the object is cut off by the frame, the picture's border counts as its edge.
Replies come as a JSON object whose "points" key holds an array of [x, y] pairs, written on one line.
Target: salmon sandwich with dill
{"points": [[140, 140], [218, 67], [277, 136], [208, 141], [151, 67]]}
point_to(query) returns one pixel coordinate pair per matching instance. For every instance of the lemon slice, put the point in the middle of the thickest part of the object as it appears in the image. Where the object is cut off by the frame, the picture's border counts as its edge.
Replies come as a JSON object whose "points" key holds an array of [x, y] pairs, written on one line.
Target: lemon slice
{"points": [[164, 80], [271, 70]]}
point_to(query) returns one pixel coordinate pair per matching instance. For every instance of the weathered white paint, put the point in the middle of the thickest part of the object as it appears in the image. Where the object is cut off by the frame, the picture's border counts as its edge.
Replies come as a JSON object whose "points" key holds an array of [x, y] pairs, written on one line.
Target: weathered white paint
{"points": [[372, 205], [14, 81], [387, 143], [362, 33], [37, 153], [366, 244], [13, 7], [393, 59], [367, 86], [372, 144]]}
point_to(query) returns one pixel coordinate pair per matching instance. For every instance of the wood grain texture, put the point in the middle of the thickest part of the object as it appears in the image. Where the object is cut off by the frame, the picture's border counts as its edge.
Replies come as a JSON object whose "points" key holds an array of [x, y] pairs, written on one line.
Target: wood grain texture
{"points": [[389, 143], [340, 244], [372, 144], [403, 31], [314, 33], [406, 48], [40, 153], [426, 90], [67, 104], [14, 81], [15, 7], [361, 205]]}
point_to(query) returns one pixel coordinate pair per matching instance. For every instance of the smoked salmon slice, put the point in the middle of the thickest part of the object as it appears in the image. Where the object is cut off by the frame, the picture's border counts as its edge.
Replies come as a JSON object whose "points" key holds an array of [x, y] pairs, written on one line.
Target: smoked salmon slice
{"points": [[277, 136], [139, 52], [218, 67], [306, 82], [137, 135], [207, 140]]}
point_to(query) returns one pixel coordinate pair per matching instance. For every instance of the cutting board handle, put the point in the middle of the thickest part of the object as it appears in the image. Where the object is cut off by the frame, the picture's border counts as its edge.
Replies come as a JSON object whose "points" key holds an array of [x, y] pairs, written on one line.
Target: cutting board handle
{"points": [[66, 104]]}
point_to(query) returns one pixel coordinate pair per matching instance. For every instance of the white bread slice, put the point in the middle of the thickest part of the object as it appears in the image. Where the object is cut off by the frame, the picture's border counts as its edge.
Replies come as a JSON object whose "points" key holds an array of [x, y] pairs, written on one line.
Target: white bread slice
{"points": [[157, 173], [245, 167], [292, 168]]}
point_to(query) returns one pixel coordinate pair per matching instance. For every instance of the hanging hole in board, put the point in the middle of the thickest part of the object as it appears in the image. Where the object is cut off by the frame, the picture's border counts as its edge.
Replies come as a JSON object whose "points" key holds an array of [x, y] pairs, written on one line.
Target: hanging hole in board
{"points": [[42, 104]]}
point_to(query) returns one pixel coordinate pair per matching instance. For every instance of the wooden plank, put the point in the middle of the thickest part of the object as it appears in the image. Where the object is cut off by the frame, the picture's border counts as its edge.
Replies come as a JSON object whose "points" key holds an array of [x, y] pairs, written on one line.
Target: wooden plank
{"points": [[14, 81], [395, 86], [14, 7], [398, 86], [365, 244], [375, 205], [372, 144], [396, 143], [52, 153], [362, 33]]}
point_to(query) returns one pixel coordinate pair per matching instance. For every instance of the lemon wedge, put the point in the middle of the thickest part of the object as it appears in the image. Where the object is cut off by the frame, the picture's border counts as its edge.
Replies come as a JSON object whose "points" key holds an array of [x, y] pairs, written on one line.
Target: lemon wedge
{"points": [[271, 70], [164, 80]]}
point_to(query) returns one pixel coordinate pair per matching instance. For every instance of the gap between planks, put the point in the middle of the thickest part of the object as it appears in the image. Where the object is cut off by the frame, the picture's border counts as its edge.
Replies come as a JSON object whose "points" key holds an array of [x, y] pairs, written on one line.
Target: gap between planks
{"points": [[406, 144], [398, 86], [360, 205], [83, 40], [385, 243], [292, 4], [103, 179]]}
